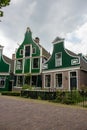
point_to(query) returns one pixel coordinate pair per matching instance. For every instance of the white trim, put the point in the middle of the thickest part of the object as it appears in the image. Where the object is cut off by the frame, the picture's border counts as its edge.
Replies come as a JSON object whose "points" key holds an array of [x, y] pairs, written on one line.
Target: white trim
{"points": [[40, 60], [62, 40], [4, 74], [21, 50], [59, 70], [71, 55]]}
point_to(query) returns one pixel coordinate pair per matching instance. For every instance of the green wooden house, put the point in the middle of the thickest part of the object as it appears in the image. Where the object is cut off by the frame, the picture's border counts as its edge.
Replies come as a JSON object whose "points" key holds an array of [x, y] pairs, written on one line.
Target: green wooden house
{"points": [[6, 68], [28, 62], [64, 70]]}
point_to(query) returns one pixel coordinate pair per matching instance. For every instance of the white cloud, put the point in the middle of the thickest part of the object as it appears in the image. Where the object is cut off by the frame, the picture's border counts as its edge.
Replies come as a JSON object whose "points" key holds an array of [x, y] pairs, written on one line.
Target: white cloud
{"points": [[47, 19], [77, 40]]}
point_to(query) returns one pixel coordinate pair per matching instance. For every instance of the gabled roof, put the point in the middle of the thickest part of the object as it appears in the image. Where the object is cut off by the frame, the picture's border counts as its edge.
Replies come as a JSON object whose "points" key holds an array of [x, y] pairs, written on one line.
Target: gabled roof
{"points": [[71, 53], [10, 61]]}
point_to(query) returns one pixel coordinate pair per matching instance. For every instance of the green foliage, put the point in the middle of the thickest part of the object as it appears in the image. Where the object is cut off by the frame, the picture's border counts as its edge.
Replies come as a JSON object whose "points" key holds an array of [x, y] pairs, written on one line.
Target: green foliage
{"points": [[3, 3], [26, 86], [10, 93], [72, 97], [44, 95]]}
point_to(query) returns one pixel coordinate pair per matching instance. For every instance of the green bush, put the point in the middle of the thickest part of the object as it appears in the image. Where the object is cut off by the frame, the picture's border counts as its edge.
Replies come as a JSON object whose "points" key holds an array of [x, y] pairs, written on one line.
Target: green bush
{"points": [[26, 86], [10, 93], [72, 97]]}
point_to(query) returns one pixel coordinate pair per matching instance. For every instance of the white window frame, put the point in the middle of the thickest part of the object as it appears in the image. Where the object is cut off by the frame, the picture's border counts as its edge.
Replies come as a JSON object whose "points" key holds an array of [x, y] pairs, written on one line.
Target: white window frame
{"points": [[58, 60], [21, 51], [19, 67]]}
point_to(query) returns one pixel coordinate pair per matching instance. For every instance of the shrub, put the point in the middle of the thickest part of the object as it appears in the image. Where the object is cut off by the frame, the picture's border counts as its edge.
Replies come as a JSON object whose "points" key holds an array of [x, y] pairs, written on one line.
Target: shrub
{"points": [[72, 97], [10, 93], [28, 87]]}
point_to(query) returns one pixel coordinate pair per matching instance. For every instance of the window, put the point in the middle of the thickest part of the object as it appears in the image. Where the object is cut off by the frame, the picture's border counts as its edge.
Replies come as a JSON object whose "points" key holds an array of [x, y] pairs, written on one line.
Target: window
{"points": [[19, 64], [2, 82], [58, 79], [35, 63], [47, 80], [20, 81], [21, 52], [27, 50], [58, 59], [34, 50]]}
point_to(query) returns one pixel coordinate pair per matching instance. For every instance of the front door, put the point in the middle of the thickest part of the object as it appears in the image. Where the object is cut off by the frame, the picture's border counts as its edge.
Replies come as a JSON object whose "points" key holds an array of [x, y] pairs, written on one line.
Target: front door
{"points": [[73, 80]]}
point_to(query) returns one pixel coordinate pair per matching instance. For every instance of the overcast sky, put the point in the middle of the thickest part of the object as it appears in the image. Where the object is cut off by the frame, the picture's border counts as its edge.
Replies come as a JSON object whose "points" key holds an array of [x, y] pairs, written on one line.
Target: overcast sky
{"points": [[47, 19]]}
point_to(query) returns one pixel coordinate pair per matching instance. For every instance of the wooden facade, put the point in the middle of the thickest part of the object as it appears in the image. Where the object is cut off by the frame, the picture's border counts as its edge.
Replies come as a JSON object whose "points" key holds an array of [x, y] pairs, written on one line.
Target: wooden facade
{"points": [[28, 61], [64, 70], [6, 69]]}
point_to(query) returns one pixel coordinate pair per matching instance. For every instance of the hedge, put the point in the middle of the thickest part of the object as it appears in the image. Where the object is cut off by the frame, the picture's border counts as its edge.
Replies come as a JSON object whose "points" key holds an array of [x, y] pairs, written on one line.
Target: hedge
{"points": [[10, 93]]}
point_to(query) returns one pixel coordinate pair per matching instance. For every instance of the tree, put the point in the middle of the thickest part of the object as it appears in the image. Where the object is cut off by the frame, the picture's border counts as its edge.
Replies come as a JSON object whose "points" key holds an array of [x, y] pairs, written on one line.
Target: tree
{"points": [[3, 3]]}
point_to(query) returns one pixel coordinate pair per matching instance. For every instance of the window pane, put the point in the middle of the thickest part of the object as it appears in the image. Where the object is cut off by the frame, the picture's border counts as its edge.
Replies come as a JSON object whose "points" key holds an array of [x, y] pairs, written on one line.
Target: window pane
{"points": [[72, 74], [58, 80], [2, 82], [27, 50], [36, 63], [47, 80], [19, 64], [20, 81], [58, 59]]}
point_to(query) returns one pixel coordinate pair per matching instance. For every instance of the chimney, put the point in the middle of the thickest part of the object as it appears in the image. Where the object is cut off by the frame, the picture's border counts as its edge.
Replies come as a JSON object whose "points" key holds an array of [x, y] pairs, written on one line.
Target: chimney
{"points": [[13, 56], [37, 40]]}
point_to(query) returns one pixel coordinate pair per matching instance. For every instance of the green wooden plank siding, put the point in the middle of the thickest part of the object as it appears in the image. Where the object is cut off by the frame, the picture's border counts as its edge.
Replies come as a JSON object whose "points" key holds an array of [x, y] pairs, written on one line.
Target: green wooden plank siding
{"points": [[4, 67], [27, 66], [28, 41], [66, 58]]}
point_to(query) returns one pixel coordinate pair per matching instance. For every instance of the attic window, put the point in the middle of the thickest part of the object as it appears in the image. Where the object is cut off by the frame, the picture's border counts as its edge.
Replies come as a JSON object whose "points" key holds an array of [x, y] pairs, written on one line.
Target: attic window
{"points": [[27, 50], [21, 52], [58, 59]]}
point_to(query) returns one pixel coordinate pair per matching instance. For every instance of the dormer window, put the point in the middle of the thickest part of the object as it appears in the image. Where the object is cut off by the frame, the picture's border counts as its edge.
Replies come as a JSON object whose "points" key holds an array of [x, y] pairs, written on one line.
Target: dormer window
{"points": [[58, 59]]}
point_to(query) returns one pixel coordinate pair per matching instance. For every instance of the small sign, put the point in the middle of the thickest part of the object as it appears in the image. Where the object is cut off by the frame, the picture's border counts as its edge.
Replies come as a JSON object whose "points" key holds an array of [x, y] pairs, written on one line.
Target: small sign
{"points": [[74, 61]]}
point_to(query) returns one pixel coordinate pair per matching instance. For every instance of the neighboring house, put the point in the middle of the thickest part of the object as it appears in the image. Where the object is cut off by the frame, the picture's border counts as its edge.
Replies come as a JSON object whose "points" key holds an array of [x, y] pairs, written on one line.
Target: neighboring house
{"points": [[64, 70], [28, 62], [6, 69]]}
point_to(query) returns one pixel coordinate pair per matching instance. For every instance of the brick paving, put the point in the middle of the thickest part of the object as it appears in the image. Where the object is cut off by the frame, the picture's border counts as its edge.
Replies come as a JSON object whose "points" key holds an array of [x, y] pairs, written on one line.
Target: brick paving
{"points": [[26, 114]]}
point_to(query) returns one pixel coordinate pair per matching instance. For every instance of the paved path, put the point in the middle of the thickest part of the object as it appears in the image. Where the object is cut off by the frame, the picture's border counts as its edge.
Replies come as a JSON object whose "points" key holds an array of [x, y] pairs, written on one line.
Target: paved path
{"points": [[26, 114]]}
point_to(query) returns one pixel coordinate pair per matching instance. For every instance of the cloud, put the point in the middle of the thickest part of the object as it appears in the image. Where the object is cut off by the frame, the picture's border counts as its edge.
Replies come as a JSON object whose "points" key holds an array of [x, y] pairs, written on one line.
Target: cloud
{"points": [[47, 19], [77, 40]]}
